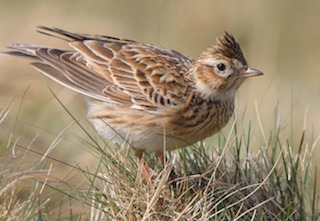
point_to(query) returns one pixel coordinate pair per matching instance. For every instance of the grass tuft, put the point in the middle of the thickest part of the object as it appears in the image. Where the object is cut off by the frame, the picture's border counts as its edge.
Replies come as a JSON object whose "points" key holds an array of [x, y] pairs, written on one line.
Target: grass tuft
{"points": [[21, 186], [204, 183], [230, 180]]}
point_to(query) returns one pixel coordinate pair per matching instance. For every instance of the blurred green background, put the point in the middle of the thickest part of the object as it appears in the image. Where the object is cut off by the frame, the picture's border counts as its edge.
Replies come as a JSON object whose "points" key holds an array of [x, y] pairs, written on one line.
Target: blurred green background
{"points": [[281, 38]]}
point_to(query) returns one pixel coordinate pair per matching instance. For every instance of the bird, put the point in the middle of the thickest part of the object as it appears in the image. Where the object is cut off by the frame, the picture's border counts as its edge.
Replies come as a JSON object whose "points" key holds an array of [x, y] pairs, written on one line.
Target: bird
{"points": [[144, 93]]}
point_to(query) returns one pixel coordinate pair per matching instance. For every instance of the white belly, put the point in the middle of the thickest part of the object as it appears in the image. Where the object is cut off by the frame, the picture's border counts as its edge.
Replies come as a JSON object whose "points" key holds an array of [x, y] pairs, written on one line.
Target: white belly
{"points": [[143, 132]]}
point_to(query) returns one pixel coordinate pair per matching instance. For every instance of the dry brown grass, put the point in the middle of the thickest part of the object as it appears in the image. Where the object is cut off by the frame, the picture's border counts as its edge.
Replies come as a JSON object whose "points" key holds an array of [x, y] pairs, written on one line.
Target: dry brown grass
{"points": [[226, 181]]}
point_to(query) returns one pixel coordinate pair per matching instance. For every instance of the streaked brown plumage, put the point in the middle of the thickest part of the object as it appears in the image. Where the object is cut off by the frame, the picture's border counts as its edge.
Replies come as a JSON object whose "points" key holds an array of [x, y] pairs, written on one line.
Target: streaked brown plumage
{"points": [[137, 91]]}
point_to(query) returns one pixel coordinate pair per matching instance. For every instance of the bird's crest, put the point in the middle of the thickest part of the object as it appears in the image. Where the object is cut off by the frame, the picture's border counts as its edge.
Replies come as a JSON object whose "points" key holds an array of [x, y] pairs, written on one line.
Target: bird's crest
{"points": [[228, 46]]}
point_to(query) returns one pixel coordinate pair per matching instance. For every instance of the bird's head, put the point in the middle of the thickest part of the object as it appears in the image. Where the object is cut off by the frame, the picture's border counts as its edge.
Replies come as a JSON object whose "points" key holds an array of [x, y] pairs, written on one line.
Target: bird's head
{"points": [[222, 68]]}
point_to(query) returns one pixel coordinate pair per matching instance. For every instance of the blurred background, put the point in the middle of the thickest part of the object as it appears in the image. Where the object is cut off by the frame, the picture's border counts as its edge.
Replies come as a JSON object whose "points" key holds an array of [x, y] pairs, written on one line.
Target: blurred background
{"points": [[281, 38]]}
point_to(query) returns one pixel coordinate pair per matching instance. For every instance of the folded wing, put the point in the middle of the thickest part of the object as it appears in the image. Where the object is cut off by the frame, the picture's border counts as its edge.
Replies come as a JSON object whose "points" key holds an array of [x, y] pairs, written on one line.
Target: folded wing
{"points": [[117, 71]]}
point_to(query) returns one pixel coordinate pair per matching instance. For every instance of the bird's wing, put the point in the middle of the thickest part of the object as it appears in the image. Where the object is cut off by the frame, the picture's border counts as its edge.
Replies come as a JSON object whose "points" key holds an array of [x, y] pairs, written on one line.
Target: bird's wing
{"points": [[117, 71]]}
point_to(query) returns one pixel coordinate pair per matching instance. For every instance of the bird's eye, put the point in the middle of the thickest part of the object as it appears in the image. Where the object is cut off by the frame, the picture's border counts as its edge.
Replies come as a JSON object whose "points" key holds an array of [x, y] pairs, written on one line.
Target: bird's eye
{"points": [[221, 66]]}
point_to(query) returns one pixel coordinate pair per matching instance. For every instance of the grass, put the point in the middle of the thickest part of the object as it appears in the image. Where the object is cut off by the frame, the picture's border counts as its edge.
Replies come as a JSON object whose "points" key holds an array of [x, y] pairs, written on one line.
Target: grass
{"points": [[14, 177], [229, 180]]}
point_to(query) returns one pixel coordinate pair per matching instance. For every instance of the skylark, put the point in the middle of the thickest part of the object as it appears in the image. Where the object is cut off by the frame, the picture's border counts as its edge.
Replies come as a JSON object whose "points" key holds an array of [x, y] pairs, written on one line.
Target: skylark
{"points": [[140, 91]]}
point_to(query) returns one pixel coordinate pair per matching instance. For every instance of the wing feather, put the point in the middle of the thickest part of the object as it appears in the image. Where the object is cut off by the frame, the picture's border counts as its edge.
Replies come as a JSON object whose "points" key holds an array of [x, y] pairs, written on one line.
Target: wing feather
{"points": [[122, 72]]}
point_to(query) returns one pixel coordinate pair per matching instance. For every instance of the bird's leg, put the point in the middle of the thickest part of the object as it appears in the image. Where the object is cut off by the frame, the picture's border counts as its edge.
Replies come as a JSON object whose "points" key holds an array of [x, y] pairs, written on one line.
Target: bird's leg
{"points": [[161, 157], [144, 168]]}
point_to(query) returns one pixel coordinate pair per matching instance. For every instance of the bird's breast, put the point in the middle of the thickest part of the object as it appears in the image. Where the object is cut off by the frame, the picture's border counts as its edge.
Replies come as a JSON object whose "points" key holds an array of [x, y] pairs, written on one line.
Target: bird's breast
{"points": [[202, 119]]}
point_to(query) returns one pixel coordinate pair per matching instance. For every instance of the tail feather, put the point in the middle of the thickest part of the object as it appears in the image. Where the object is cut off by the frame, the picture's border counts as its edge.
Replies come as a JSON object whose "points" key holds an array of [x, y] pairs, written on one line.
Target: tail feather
{"points": [[69, 36], [61, 34], [23, 50]]}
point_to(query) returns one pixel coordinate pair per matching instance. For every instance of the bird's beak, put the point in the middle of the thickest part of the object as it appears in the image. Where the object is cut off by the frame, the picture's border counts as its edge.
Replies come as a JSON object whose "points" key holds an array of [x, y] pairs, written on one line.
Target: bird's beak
{"points": [[250, 72]]}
